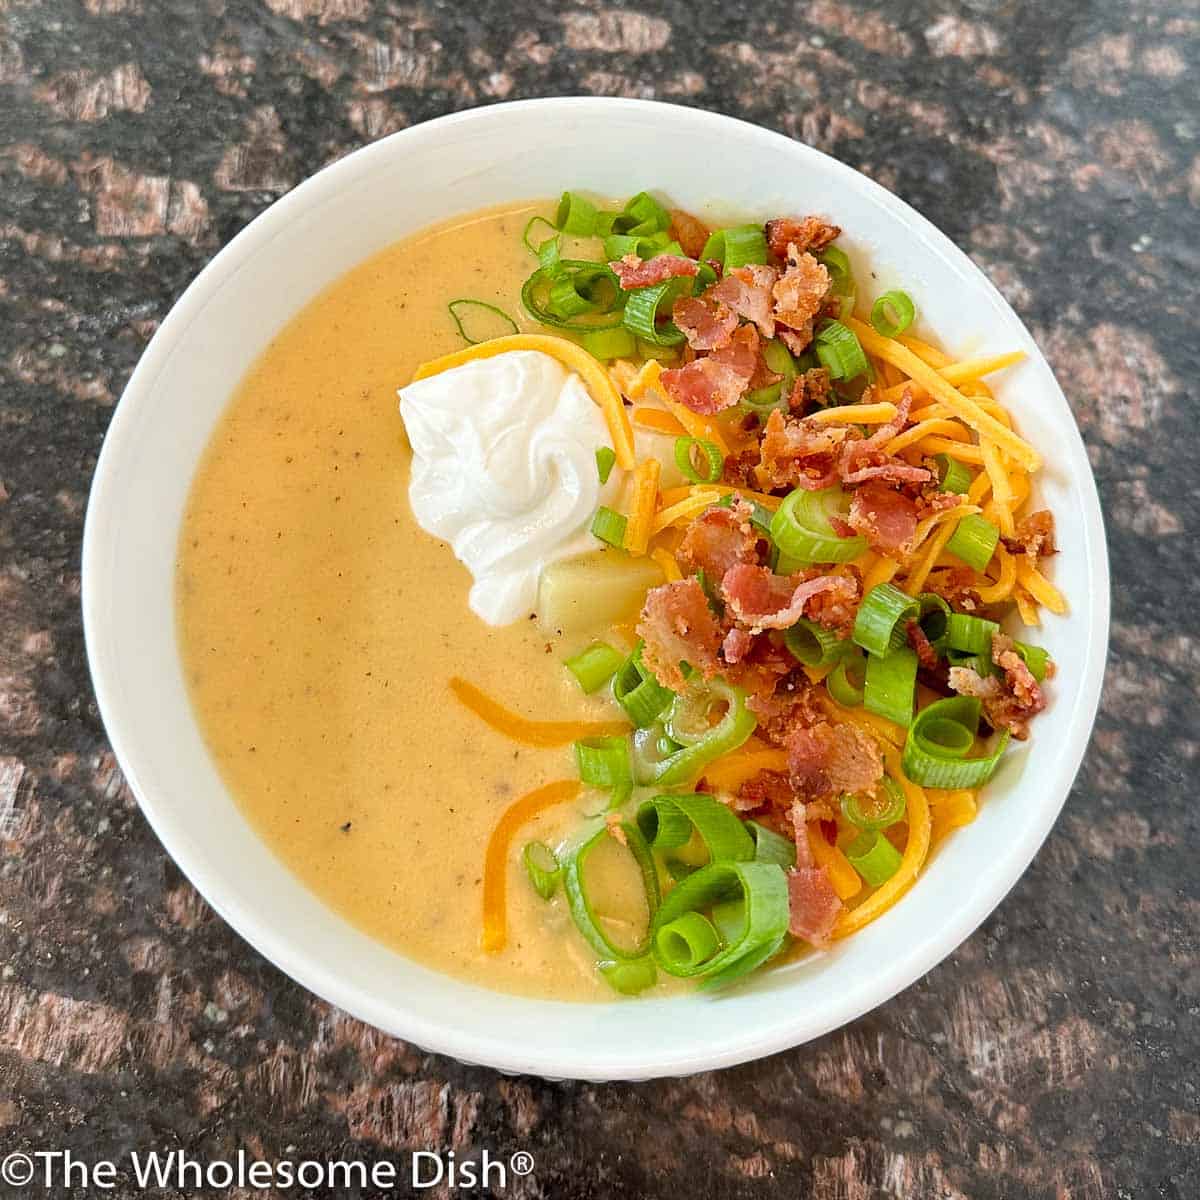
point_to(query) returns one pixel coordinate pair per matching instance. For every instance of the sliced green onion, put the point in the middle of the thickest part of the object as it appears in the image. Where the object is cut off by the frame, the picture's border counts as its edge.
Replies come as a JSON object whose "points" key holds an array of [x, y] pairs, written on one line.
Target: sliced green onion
{"points": [[549, 255], [580, 902], [810, 643], [801, 527], [603, 762], [630, 978], [472, 309], [589, 282], [970, 635], [609, 526], [736, 247], [882, 617], [878, 818], [934, 619], [644, 210], [705, 278], [647, 349], [606, 222], [892, 313], [714, 460], [682, 765], [643, 306], [760, 891], [723, 834], [974, 541], [542, 867], [1036, 658], [576, 214], [606, 344], [775, 395], [839, 350], [606, 459], [845, 683], [617, 245], [687, 943], [891, 685], [595, 666], [837, 263], [770, 847], [637, 691], [953, 476], [937, 743], [526, 238], [873, 857]]}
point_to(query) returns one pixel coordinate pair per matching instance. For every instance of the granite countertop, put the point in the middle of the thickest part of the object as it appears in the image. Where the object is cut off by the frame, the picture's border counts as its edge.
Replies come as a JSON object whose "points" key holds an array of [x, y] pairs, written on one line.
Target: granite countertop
{"points": [[1054, 1055]]}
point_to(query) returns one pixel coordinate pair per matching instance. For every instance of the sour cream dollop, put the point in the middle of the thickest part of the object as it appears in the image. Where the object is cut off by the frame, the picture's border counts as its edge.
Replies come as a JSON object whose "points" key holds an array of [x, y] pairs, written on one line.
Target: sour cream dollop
{"points": [[504, 469]]}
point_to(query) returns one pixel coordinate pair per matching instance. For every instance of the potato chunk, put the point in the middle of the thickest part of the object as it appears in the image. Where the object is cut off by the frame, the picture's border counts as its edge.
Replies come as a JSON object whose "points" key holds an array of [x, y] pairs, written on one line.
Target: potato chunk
{"points": [[588, 594]]}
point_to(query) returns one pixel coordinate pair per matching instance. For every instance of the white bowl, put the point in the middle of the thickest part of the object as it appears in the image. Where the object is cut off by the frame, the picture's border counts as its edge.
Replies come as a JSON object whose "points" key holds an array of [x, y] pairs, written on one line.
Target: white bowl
{"points": [[342, 215]]}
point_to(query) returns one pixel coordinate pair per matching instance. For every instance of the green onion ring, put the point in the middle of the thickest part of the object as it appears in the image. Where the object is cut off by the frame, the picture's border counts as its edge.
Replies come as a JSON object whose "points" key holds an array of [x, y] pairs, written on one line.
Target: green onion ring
{"points": [[714, 459], [938, 740], [883, 616], [454, 305], [892, 313], [542, 867], [801, 527], [893, 813]]}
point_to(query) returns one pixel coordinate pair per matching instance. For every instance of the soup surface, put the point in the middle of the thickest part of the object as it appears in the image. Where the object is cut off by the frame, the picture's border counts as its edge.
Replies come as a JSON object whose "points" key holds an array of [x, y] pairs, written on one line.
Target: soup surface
{"points": [[319, 627]]}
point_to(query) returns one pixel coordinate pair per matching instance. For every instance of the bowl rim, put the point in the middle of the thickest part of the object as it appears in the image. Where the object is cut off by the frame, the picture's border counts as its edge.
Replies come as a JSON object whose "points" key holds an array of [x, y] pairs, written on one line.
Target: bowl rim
{"points": [[498, 1052]]}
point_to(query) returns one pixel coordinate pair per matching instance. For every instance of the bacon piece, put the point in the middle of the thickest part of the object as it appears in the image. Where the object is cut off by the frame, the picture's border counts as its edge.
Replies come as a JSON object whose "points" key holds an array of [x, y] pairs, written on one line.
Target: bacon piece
{"points": [[805, 233], [718, 539], [814, 906], [740, 467], [767, 789], [957, 587], [798, 295], [1009, 701], [790, 707], [826, 760], [634, 273], [927, 656], [886, 518], [812, 389], [737, 645], [747, 290], [718, 381], [690, 232], [1034, 535], [706, 326], [798, 455], [761, 663], [763, 600], [862, 459], [677, 626]]}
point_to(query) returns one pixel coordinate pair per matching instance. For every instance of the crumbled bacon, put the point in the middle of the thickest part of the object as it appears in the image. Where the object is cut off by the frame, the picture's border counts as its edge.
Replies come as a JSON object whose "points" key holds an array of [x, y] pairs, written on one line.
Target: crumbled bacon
{"points": [[927, 656], [811, 389], [1034, 535], [718, 539], [957, 587], [813, 905], [747, 290], [706, 326], [737, 645], [761, 663], [708, 385], [633, 272], [789, 708], [795, 454], [798, 296], [763, 600], [1009, 701], [767, 789], [741, 466], [826, 760], [885, 517], [805, 233], [862, 459], [677, 626], [690, 232]]}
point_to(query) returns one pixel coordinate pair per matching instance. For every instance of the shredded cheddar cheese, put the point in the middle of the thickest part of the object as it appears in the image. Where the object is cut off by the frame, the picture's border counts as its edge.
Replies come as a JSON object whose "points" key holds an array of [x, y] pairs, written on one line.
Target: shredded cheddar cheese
{"points": [[642, 504]]}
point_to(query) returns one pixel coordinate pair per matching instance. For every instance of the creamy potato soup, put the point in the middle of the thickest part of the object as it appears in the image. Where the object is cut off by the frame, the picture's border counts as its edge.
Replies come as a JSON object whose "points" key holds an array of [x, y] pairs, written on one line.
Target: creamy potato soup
{"points": [[553, 595]]}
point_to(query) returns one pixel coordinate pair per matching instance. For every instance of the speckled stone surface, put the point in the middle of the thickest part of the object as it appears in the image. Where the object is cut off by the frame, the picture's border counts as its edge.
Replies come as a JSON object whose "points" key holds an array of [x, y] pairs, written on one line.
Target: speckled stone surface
{"points": [[1055, 1054]]}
